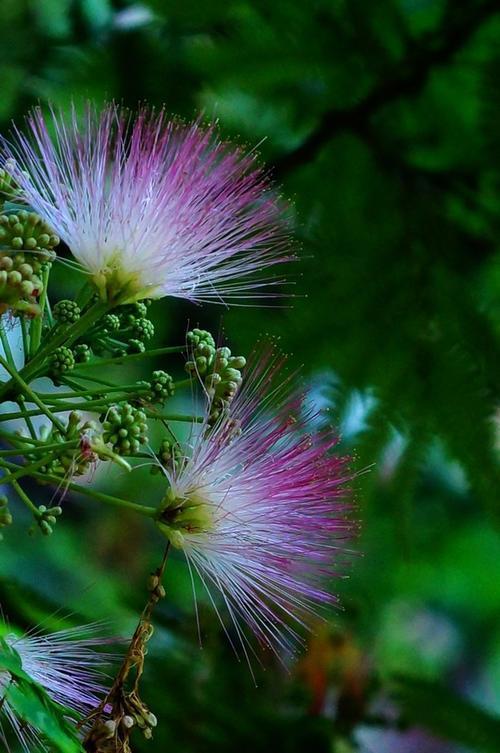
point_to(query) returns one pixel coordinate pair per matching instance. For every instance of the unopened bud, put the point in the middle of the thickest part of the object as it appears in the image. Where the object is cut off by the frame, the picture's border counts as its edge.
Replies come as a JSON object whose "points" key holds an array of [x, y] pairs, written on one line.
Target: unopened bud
{"points": [[45, 528], [153, 582], [109, 727]]}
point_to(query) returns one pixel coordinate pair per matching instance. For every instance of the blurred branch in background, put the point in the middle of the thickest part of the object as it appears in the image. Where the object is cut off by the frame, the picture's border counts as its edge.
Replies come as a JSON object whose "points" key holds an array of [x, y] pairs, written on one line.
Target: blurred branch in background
{"points": [[458, 25]]}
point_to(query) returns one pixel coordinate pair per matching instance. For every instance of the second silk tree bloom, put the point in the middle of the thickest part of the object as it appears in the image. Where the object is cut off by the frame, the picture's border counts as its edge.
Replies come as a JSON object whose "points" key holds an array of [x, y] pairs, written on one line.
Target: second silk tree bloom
{"points": [[152, 207], [67, 665], [259, 506]]}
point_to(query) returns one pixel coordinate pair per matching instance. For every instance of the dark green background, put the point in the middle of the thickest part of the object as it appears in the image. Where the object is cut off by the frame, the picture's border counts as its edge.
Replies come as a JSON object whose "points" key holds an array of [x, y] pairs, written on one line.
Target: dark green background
{"points": [[381, 120]]}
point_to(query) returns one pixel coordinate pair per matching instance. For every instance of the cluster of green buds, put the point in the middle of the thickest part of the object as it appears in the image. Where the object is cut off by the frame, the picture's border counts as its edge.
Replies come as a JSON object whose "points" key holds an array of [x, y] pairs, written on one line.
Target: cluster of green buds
{"points": [[26, 243], [125, 428], [46, 518], [82, 353], [162, 387], [62, 361], [201, 345], [8, 186], [82, 444], [135, 327], [66, 312], [78, 459], [5, 514], [169, 456], [124, 331], [219, 369]]}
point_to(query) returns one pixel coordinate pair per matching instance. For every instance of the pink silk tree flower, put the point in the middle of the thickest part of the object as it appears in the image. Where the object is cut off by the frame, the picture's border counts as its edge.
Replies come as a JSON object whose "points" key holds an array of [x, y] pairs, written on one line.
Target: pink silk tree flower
{"points": [[260, 508], [66, 664], [152, 207]]}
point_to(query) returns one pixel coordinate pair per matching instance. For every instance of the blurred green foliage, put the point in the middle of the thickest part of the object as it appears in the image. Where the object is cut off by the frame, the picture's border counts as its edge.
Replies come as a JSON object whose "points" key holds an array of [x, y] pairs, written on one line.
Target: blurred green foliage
{"points": [[382, 122]]}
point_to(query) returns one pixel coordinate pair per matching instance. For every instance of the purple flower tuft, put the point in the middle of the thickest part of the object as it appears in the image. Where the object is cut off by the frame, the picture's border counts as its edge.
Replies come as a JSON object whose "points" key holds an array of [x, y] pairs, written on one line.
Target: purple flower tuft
{"points": [[260, 508], [152, 207]]}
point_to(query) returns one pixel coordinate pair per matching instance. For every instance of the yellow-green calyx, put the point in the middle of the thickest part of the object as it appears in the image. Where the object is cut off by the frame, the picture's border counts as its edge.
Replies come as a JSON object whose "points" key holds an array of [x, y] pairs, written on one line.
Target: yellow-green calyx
{"points": [[184, 515], [119, 286]]}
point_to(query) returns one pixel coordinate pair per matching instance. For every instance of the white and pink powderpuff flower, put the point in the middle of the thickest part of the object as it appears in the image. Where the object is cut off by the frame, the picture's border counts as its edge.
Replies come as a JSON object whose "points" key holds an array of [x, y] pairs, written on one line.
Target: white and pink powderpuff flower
{"points": [[261, 509], [152, 207], [67, 664]]}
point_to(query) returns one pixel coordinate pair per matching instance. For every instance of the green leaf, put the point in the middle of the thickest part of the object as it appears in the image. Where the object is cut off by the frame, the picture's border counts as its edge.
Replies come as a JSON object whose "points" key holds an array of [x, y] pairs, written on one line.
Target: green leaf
{"points": [[29, 701], [443, 712], [11, 661]]}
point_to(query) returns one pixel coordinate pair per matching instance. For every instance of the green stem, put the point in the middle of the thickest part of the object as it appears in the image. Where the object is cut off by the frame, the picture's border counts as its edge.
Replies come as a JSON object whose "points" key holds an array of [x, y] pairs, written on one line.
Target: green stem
{"points": [[85, 294], [40, 448], [88, 378], [24, 470], [106, 342], [6, 345], [150, 512], [174, 417], [28, 392], [27, 501], [50, 318], [27, 419], [36, 324], [25, 336], [131, 356], [96, 406], [61, 336], [55, 396], [13, 438]]}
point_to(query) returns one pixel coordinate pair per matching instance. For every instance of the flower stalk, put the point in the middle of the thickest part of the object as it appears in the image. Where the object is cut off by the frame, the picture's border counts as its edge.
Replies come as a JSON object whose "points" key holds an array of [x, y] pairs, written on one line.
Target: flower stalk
{"points": [[122, 710]]}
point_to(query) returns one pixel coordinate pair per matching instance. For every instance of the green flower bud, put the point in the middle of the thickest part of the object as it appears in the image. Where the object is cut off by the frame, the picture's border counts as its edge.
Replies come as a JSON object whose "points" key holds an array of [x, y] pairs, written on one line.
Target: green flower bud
{"points": [[66, 312], [82, 353], [110, 323], [162, 387], [20, 284], [143, 329], [136, 346], [26, 230], [125, 428], [109, 728], [27, 288], [8, 187], [197, 336], [238, 362], [45, 527], [15, 277], [5, 516], [169, 455], [61, 361]]}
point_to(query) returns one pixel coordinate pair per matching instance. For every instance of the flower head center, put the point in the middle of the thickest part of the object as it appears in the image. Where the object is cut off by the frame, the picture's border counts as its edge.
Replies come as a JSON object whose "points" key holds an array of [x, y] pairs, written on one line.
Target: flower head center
{"points": [[181, 516], [119, 285]]}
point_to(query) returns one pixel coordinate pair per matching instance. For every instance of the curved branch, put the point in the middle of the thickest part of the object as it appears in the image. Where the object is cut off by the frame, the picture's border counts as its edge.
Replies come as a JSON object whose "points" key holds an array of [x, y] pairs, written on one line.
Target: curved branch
{"points": [[408, 79]]}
